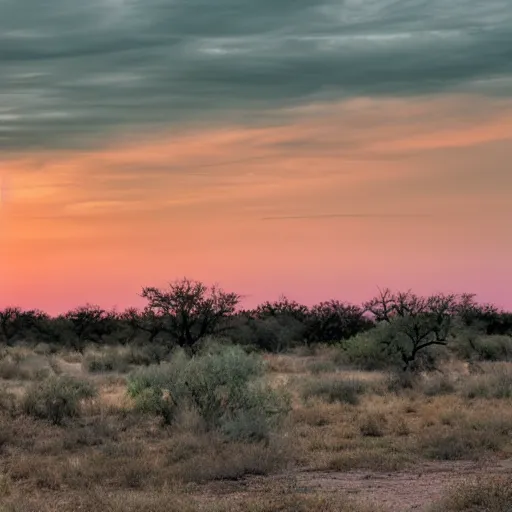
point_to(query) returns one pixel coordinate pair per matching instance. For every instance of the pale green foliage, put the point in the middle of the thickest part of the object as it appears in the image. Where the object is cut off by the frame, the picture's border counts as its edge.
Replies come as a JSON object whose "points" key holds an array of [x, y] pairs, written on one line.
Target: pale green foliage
{"points": [[223, 384]]}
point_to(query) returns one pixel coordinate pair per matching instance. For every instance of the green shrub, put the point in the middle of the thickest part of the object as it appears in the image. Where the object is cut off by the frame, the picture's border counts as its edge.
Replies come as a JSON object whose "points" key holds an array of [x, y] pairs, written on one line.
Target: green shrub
{"points": [[331, 391], [57, 398], [366, 351], [473, 345], [222, 384]]}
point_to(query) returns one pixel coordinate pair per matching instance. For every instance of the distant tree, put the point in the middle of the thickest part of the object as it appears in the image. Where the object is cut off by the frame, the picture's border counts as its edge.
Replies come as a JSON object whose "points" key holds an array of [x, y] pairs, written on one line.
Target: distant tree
{"points": [[282, 307], [335, 321], [16, 324], [90, 323], [486, 318], [415, 323], [189, 310], [148, 321]]}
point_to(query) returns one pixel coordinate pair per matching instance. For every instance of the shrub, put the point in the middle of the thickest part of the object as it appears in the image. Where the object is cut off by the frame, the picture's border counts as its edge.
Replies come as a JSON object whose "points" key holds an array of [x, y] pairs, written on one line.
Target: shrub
{"points": [[109, 361], [366, 351], [439, 385], [12, 370], [233, 462], [331, 391], [57, 398], [493, 385], [464, 443], [490, 494], [222, 384], [400, 380], [317, 367], [373, 425], [473, 345]]}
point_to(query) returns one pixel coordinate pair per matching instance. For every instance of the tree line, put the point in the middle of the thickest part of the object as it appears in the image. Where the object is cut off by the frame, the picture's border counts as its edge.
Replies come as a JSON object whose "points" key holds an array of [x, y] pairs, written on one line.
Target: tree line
{"points": [[188, 311]]}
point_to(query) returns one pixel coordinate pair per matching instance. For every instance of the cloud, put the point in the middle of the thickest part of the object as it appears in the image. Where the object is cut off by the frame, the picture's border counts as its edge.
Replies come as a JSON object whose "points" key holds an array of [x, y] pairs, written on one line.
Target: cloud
{"points": [[73, 71], [351, 216]]}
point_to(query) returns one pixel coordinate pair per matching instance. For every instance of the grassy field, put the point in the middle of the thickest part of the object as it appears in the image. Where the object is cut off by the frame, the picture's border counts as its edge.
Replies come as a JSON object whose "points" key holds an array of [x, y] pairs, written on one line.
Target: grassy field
{"points": [[349, 441]]}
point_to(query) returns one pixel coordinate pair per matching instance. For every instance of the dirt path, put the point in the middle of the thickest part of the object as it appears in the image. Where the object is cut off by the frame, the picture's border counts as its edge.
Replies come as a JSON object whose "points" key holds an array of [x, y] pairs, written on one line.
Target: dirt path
{"points": [[402, 491]]}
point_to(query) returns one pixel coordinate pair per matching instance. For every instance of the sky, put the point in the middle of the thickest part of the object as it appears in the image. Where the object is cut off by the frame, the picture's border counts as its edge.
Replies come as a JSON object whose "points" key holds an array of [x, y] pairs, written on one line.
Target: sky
{"points": [[314, 148]]}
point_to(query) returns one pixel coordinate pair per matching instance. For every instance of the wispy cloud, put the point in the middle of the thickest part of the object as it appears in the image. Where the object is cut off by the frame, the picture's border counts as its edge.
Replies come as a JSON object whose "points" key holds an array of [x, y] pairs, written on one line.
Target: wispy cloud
{"points": [[383, 216], [75, 70]]}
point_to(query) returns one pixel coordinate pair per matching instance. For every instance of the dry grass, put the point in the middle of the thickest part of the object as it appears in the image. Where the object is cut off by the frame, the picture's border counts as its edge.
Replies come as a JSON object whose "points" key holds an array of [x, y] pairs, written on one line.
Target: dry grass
{"points": [[111, 458], [487, 494]]}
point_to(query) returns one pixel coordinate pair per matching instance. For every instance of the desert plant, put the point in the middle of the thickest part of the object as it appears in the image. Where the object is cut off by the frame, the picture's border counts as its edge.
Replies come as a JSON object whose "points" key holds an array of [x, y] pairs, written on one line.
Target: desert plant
{"points": [[497, 384], [189, 310], [222, 384], [492, 494], [109, 360], [414, 325], [373, 425], [367, 351], [57, 398], [331, 390]]}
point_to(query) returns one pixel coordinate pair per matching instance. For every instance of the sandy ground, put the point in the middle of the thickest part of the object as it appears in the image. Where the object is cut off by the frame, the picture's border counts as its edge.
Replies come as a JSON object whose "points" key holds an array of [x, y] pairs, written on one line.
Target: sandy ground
{"points": [[401, 491]]}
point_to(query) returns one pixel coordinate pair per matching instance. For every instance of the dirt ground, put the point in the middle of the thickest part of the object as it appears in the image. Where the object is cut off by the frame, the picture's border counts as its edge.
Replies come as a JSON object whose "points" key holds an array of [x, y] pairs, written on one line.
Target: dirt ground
{"points": [[400, 491]]}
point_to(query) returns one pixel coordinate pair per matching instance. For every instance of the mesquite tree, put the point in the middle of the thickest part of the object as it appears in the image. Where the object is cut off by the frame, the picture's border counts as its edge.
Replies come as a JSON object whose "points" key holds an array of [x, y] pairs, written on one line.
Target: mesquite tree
{"points": [[415, 323], [189, 310]]}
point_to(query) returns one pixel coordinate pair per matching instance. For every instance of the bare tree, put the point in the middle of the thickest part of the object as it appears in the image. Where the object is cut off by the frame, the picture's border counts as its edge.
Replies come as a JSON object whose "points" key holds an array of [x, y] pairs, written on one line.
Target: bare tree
{"points": [[190, 310]]}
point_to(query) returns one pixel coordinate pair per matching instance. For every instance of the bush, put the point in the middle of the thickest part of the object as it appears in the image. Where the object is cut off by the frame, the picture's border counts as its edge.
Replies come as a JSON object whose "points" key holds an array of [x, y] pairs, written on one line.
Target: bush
{"points": [[342, 391], [373, 425], [490, 494], [11, 369], [400, 380], [473, 345], [222, 384], [317, 367], [57, 398], [110, 360], [440, 385], [493, 385], [366, 351], [464, 443]]}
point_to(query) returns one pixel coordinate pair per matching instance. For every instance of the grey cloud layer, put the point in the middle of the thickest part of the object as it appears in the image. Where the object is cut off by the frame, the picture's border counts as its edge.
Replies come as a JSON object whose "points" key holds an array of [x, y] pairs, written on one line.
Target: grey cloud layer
{"points": [[71, 70]]}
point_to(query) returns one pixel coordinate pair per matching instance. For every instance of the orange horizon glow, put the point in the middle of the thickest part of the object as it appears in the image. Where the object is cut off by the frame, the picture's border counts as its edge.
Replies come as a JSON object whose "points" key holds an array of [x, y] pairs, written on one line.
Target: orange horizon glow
{"points": [[96, 225]]}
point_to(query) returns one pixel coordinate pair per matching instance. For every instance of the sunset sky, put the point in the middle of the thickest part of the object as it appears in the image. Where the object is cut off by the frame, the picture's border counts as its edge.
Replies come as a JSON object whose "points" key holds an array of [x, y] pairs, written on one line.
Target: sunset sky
{"points": [[314, 148]]}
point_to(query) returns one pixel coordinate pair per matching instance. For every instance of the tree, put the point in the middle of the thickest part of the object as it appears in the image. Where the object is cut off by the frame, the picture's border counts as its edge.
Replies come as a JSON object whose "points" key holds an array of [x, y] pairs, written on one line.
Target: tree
{"points": [[334, 321], [416, 323], [148, 321], [16, 323], [90, 323], [281, 308], [486, 318], [190, 310]]}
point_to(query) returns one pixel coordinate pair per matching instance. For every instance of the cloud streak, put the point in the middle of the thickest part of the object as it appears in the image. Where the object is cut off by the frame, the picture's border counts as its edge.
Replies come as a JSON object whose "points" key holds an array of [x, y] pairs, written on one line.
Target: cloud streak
{"points": [[351, 216], [73, 71]]}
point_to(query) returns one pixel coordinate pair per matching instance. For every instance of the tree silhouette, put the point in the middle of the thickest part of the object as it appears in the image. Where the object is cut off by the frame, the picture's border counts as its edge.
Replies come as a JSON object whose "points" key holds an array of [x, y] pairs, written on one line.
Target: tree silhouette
{"points": [[189, 310]]}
